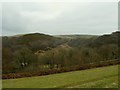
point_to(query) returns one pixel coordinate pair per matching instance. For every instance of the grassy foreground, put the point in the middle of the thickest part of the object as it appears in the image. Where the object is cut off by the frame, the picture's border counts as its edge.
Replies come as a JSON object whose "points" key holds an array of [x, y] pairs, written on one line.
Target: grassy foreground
{"points": [[104, 77]]}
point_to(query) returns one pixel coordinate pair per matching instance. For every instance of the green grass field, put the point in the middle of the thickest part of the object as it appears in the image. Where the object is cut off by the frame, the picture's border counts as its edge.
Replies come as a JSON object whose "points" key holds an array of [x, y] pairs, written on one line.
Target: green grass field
{"points": [[104, 77]]}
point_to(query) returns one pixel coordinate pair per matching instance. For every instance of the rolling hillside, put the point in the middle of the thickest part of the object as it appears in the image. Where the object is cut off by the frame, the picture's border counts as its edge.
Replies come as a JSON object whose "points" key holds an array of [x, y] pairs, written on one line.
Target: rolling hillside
{"points": [[58, 52], [34, 41], [37, 41], [106, 39]]}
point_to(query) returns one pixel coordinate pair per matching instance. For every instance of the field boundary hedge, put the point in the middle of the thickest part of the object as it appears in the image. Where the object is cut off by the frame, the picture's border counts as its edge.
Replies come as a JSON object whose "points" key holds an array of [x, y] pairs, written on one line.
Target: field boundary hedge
{"points": [[60, 70]]}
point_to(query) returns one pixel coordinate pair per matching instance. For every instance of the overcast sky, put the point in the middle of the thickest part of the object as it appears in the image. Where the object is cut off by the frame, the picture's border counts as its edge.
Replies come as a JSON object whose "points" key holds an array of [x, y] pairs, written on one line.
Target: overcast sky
{"points": [[59, 18]]}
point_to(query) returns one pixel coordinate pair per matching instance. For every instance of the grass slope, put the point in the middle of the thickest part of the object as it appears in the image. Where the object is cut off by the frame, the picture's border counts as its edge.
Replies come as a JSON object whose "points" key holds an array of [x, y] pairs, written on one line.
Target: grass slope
{"points": [[104, 77]]}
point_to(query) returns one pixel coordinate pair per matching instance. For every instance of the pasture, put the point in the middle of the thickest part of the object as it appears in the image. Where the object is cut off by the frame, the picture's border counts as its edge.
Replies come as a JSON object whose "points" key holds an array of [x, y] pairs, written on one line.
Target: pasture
{"points": [[102, 77]]}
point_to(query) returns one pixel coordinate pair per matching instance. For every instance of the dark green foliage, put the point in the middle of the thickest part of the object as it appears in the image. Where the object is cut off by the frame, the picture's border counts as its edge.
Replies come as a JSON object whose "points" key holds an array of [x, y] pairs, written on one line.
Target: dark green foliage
{"points": [[7, 61], [24, 58]]}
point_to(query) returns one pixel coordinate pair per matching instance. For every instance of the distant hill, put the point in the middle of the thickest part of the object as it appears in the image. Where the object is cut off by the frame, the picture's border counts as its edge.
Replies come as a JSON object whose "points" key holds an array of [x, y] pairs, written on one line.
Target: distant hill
{"points": [[75, 36], [106, 39], [38, 41], [34, 41], [76, 40]]}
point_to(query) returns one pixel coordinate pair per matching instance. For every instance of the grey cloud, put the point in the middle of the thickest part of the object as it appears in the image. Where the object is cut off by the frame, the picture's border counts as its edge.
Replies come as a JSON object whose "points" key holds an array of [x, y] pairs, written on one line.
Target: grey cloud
{"points": [[59, 18]]}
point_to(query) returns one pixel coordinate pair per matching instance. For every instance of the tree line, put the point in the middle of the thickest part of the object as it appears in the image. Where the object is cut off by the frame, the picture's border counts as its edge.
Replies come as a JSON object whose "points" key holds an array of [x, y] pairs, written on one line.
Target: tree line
{"points": [[26, 60]]}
